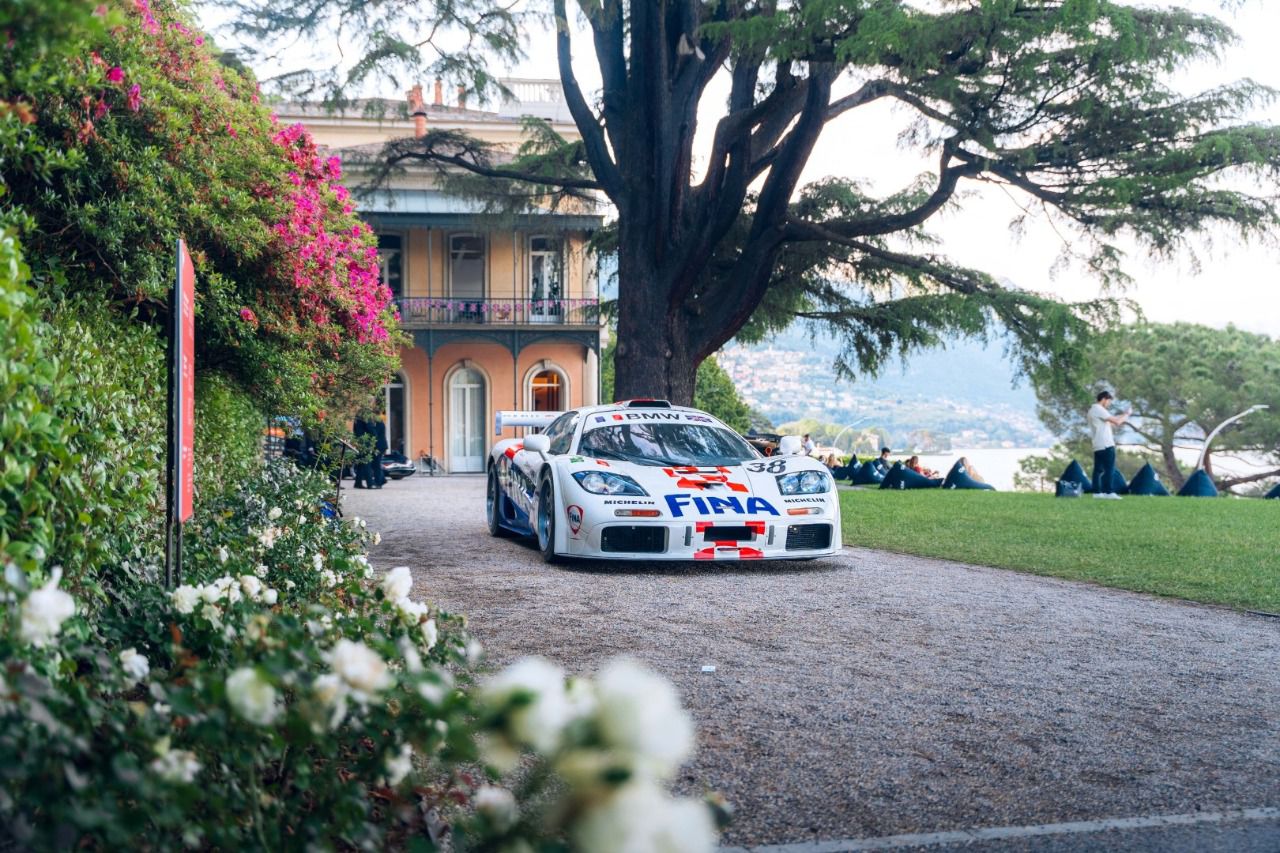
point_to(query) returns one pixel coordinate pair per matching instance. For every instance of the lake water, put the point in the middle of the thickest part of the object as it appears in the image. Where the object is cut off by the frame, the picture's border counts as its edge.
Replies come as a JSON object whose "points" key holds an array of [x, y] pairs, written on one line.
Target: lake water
{"points": [[997, 465]]}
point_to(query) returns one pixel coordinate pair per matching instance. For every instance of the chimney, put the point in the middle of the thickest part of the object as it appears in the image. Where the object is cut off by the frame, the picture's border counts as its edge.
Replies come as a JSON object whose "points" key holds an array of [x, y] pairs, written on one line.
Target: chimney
{"points": [[439, 93], [418, 111], [462, 97]]}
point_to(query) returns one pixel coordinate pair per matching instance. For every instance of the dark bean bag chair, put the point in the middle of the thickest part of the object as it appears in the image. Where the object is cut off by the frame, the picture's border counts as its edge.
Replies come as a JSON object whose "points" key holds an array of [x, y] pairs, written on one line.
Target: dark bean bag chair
{"points": [[1118, 485], [868, 474], [1075, 474], [902, 477], [1198, 485], [1147, 482], [1274, 494], [845, 472], [1068, 489], [958, 478]]}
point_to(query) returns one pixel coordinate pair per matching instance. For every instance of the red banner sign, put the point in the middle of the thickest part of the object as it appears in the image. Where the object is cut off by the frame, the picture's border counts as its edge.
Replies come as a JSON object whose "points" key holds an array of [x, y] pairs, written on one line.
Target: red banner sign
{"points": [[184, 370]]}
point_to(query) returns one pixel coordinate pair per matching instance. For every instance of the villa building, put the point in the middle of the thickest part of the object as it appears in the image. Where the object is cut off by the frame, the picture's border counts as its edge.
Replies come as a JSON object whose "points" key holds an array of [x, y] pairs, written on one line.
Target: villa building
{"points": [[502, 309]]}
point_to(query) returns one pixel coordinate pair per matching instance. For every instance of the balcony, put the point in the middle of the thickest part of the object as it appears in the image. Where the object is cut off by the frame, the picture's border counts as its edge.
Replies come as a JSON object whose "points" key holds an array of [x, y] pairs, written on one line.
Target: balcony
{"points": [[422, 312]]}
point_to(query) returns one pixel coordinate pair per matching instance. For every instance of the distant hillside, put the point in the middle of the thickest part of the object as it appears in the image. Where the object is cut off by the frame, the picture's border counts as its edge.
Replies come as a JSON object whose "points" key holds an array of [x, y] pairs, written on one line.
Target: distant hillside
{"points": [[964, 392]]}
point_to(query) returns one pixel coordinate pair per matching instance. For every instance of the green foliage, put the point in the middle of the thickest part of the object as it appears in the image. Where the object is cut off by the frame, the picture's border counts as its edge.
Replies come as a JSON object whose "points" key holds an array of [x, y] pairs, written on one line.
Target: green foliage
{"points": [[228, 440], [1182, 380], [134, 135], [1220, 552], [281, 699], [714, 392], [80, 435]]}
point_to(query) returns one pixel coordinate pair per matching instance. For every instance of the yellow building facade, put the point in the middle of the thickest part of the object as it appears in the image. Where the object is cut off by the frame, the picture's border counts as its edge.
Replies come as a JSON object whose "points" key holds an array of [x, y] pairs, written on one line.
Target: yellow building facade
{"points": [[502, 309]]}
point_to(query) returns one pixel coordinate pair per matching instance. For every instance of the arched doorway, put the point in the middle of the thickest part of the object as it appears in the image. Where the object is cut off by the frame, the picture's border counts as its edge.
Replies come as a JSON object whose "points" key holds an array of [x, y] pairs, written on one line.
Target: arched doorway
{"points": [[393, 405], [546, 391], [466, 420]]}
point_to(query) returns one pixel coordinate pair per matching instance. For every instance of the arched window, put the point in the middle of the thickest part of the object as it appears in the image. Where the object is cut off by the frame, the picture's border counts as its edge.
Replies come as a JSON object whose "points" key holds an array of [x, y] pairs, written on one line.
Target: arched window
{"points": [[546, 391]]}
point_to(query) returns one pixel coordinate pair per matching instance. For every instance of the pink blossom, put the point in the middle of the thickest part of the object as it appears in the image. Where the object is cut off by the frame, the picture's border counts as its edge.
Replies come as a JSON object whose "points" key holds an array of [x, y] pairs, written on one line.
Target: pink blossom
{"points": [[100, 109], [231, 130], [115, 74], [134, 99], [248, 316]]}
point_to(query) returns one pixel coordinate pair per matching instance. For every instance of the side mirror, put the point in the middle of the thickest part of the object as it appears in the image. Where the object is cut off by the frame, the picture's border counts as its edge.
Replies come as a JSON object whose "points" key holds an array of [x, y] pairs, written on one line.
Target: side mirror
{"points": [[788, 446], [537, 443]]}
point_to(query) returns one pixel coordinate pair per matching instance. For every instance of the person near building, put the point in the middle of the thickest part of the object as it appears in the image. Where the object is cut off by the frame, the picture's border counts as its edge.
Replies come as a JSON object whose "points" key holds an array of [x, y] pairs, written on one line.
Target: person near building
{"points": [[365, 477], [807, 445], [378, 427], [1101, 422]]}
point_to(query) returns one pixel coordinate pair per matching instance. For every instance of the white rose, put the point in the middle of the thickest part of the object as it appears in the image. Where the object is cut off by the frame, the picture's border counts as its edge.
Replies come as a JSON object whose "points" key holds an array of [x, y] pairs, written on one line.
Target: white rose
{"points": [[45, 610], [270, 597], [274, 513], [411, 612], [399, 765], [397, 583], [640, 711], [252, 696], [223, 554], [539, 722], [251, 585], [268, 537], [302, 519], [359, 666], [412, 661], [641, 817], [377, 538], [331, 692], [498, 805], [261, 570], [430, 634], [328, 578], [176, 765], [185, 598], [210, 593], [213, 614], [317, 560], [135, 666]]}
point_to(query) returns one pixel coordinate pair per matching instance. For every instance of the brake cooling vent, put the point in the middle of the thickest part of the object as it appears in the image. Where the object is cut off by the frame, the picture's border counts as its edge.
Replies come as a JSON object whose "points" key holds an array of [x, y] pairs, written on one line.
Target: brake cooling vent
{"points": [[808, 537], [633, 539]]}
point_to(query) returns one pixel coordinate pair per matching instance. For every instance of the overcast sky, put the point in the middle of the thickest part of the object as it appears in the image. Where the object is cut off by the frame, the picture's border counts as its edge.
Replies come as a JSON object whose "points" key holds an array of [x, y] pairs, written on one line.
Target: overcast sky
{"points": [[1235, 283]]}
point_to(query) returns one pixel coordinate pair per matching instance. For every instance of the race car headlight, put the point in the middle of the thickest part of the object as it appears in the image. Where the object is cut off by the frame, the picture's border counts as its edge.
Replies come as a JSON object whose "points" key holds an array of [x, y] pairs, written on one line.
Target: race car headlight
{"points": [[804, 483], [604, 483]]}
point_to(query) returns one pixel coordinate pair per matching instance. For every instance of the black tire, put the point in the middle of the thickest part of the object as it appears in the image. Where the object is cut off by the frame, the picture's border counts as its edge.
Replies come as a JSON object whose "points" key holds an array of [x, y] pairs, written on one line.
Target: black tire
{"points": [[493, 505], [544, 526]]}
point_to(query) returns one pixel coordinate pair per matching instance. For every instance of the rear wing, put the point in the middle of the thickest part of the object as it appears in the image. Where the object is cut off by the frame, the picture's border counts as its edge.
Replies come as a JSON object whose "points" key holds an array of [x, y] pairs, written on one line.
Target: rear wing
{"points": [[507, 419]]}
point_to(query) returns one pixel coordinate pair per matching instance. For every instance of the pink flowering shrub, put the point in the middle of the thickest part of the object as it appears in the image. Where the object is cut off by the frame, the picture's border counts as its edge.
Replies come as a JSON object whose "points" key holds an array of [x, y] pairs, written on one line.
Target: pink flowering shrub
{"points": [[159, 140]]}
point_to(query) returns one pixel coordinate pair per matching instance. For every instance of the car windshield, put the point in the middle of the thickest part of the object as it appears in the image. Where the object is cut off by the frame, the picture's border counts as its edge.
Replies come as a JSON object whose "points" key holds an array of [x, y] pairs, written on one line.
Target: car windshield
{"points": [[666, 444]]}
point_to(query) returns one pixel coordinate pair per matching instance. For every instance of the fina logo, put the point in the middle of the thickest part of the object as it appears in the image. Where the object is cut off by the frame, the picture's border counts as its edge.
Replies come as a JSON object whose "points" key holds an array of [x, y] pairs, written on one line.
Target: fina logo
{"points": [[717, 506]]}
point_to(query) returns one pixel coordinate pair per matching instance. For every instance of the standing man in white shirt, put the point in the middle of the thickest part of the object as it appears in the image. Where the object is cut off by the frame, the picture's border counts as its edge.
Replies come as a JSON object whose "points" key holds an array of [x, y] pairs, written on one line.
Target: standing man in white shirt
{"points": [[1104, 444]]}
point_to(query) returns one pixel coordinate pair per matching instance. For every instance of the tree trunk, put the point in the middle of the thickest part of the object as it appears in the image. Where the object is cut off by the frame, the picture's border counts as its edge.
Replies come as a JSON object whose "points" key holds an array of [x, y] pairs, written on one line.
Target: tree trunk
{"points": [[655, 356], [1171, 469]]}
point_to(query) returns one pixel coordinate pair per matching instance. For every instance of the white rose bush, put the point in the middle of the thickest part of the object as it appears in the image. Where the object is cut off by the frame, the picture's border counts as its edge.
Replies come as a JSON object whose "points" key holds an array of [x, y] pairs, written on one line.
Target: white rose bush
{"points": [[286, 697]]}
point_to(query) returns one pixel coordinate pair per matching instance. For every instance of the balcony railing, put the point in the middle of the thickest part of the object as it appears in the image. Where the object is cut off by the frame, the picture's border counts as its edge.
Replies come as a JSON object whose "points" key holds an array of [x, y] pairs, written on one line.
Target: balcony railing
{"points": [[419, 311]]}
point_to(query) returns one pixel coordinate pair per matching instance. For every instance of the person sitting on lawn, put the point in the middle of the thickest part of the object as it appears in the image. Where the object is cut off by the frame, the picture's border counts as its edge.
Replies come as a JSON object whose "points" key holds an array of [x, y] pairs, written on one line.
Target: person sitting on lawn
{"points": [[883, 462], [914, 464]]}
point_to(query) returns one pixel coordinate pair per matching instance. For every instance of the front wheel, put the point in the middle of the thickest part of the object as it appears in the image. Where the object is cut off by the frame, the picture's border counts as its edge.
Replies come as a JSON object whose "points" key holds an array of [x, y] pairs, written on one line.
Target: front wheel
{"points": [[545, 527], [493, 505]]}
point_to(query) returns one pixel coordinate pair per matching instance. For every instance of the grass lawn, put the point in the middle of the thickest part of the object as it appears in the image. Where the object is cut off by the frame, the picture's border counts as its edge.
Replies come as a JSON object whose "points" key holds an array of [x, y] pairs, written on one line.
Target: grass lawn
{"points": [[1214, 550]]}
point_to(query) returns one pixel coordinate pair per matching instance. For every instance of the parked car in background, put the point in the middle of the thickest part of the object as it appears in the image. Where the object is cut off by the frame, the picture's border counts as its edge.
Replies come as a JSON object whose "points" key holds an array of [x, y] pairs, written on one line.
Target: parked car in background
{"points": [[397, 466]]}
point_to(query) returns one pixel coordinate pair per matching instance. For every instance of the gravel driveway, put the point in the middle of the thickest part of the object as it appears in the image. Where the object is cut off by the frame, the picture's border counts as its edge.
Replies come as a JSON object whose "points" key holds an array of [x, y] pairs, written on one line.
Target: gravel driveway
{"points": [[876, 694]]}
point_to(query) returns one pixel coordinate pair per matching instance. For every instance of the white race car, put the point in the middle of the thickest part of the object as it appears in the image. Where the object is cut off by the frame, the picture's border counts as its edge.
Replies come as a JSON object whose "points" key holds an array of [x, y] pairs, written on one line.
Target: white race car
{"points": [[645, 480]]}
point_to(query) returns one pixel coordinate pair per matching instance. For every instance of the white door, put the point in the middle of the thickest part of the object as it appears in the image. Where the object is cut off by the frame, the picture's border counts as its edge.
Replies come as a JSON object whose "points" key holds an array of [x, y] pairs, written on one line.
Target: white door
{"points": [[466, 422]]}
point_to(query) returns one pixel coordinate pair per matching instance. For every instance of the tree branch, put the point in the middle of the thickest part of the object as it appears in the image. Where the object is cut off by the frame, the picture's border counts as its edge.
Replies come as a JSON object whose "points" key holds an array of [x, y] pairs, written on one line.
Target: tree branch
{"points": [[602, 164]]}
